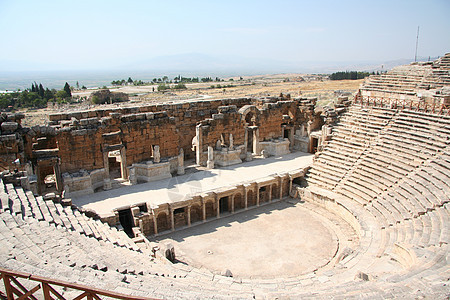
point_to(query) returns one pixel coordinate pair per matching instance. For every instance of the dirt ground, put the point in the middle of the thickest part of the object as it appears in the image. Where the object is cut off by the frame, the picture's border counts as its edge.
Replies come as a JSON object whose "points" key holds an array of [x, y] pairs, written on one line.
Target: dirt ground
{"points": [[264, 242], [249, 86]]}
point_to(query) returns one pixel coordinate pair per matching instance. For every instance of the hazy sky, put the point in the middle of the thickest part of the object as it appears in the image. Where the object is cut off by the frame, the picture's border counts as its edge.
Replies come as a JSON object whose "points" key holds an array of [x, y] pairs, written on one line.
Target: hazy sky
{"points": [[97, 34]]}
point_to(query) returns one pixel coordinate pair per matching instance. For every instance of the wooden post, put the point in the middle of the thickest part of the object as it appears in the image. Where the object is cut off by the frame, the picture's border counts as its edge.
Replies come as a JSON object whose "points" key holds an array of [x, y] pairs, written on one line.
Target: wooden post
{"points": [[8, 287]]}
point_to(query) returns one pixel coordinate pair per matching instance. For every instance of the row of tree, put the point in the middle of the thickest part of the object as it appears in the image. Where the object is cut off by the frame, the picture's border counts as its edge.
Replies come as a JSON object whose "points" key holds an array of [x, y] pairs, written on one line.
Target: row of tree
{"points": [[36, 97], [351, 75], [164, 87], [165, 80]]}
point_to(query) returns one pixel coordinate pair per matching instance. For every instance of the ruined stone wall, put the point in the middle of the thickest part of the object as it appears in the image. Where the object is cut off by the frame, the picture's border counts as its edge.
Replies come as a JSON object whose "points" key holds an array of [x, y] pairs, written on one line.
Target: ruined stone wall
{"points": [[11, 141], [186, 116], [273, 115], [139, 136], [220, 126], [82, 147]]}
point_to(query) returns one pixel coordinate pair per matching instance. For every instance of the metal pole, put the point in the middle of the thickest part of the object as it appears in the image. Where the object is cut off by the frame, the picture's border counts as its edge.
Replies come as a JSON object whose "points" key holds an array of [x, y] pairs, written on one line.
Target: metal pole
{"points": [[417, 43]]}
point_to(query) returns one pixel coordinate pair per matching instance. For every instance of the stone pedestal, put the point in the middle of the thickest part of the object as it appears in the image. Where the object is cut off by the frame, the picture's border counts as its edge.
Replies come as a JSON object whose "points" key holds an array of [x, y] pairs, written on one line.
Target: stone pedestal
{"points": [[227, 157], [132, 177], [152, 172], [210, 162], [180, 169], [107, 184], [275, 147]]}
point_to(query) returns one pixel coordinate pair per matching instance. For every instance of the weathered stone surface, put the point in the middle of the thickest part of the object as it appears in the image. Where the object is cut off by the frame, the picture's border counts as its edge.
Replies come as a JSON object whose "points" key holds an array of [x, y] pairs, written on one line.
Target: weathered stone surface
{"points": [[9, 127]]}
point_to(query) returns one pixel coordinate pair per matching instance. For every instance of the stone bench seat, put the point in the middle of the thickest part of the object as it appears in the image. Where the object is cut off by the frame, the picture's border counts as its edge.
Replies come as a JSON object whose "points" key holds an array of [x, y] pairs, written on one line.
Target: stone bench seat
{"points": [[335, 159], [326, 173], [43, 207], [418, 231], [443, 213], [439, 130], [92, 226], [73, 219], [314, 180], [53, 212], [396, 164], [389, 200], [422, 188], [357, 194], [392, 148], [354, 144], [440, 178], [14, 201], [369, 181], [36, 210], [424, 179], [362, 186], [412, 188], [351, 193], [355, 132], [360, 126], [416, 116], [327, 166], [426, 233], [55, 209], [424, 135], [390, 220], [381, 167], [345, 148], [391, 208], [404, 200], [343, 154], [379, 177], [86, 229], [407, 194], [408, 146], [436, 228], [25, 204], [430, 142], [363, 120]]}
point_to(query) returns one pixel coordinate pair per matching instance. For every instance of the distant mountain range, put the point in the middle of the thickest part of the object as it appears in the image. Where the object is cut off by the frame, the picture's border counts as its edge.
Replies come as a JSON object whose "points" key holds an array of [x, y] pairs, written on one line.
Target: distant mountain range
{"points": [[236, 65]]}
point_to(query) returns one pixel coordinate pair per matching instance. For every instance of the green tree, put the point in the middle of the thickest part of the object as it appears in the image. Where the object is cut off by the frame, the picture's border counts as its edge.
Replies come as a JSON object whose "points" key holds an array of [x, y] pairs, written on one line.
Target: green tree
{"points": [[78, 85], [96, 100], [67, 90], [41, 91], [130, 80], [61, 94]]}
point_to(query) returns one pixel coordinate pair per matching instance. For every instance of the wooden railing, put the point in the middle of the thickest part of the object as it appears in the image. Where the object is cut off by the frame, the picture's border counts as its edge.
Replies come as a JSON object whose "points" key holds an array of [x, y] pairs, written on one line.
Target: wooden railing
{"points": [[16, 290], [402, 104]]}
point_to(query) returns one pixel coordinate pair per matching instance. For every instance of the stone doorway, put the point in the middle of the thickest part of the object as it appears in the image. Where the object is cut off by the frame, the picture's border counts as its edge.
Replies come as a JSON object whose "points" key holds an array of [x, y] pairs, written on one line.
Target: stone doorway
{"points": [[126, 220], [48, 175], [114, 162], [314, 145], [223, 204]]}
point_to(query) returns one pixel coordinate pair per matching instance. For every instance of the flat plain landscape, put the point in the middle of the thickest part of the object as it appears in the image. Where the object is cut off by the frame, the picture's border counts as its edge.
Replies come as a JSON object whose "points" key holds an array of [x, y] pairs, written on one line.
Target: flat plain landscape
{"points": [[246, 86]]}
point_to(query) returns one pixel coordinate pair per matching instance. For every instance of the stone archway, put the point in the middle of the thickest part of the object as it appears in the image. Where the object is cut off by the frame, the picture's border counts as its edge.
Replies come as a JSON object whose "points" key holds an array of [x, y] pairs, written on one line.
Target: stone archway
{"points": [[251, 200], [285, 187], [209, 209], [275, 191], [196, 213], [162, 222], [238, 202], [264, 194]]}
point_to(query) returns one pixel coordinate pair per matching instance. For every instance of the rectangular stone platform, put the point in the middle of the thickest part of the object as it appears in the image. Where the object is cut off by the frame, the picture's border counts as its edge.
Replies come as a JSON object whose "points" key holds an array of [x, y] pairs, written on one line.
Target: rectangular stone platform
{"points": [[182, 188]]}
